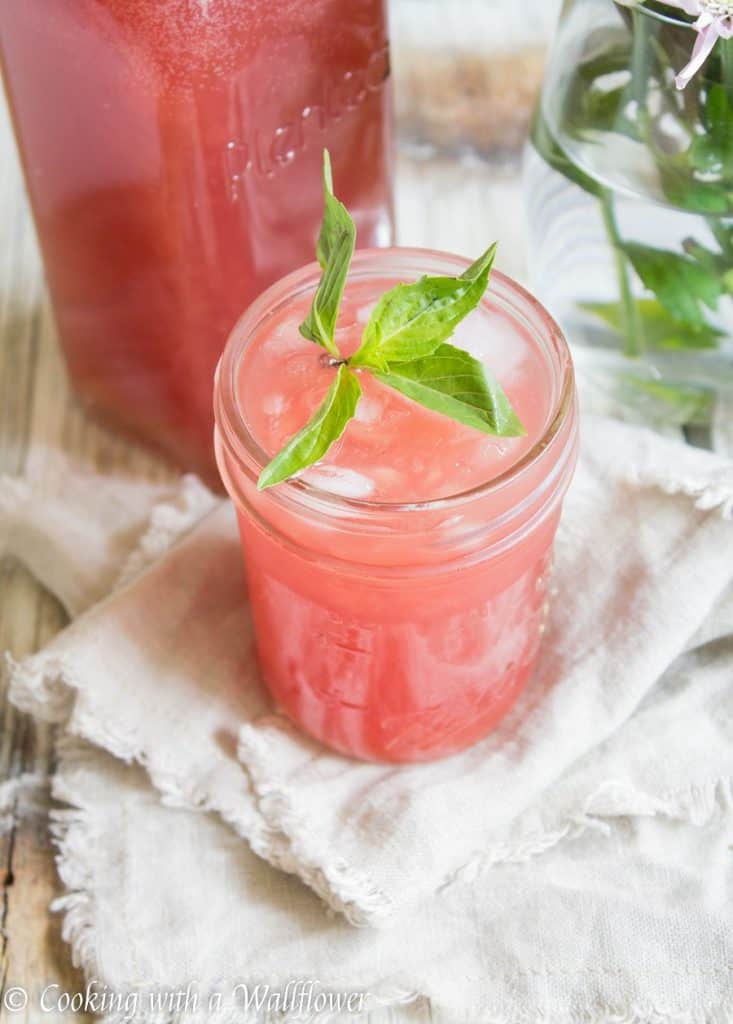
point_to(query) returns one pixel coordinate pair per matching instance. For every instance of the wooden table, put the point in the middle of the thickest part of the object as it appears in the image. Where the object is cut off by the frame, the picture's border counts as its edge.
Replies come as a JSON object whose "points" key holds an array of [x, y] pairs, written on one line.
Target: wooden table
{"points": [[37, 411]]}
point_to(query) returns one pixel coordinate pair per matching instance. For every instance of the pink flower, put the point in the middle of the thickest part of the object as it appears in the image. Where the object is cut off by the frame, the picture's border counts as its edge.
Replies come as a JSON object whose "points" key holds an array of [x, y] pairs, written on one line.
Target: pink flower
{"points": [[714, 22]]}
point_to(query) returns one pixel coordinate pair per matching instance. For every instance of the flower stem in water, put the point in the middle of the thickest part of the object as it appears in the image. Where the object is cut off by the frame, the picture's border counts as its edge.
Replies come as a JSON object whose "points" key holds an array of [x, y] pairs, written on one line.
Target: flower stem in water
{"points": [[640, 65], [726, 57], [633, 332]]}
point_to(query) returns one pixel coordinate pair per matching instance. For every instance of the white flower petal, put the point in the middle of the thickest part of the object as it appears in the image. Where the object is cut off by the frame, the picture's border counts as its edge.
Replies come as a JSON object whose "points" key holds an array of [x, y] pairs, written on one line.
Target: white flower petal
{"points": [[706, 40]]}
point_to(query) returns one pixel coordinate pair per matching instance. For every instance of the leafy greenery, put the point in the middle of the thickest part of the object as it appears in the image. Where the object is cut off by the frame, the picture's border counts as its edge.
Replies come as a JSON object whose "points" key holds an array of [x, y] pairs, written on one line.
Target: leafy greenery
{"points": [[334, 251], [452, 382], [680, 283], [411, 320], [624, 87], [662, 331], [326, 426], [404, 346], [691, 405]]}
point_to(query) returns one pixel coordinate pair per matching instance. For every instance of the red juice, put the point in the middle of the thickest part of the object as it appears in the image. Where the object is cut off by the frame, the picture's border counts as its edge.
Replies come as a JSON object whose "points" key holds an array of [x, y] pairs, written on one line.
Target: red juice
{"points": [[172, 151], [399, 587]]}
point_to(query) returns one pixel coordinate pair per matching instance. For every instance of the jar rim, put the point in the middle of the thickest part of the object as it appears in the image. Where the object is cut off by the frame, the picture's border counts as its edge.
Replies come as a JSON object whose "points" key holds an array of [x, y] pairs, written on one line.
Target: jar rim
{"points": [[251, 458]]}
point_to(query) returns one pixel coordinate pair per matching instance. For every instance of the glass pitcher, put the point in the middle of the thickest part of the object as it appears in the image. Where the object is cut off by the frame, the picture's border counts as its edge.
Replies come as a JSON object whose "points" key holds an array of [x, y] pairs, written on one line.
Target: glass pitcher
{"points": [[630, 197], [172, 151]]}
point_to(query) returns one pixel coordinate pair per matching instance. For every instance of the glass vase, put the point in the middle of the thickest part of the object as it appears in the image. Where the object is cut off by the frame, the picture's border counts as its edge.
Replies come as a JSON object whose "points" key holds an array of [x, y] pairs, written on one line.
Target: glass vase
{"points": [[630, 198]]}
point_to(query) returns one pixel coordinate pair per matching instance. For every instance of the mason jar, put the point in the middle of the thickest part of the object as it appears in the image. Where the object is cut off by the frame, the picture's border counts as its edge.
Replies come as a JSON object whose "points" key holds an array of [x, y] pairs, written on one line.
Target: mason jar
{"points": [[172, 152], [397, 630]]}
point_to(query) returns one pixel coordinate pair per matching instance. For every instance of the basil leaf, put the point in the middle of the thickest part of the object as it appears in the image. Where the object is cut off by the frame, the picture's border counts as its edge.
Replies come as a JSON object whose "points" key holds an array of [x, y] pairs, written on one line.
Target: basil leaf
{"points": [[326, 426], [334, 251], [680, 284], [411, 320], [452, 382], [661, 330]]}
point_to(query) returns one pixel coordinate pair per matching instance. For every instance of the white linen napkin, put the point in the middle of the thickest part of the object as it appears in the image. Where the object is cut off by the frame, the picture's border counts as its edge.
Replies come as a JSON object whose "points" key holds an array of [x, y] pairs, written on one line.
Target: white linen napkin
{"points": [[74, 530], [163, 673], [629, 923]]}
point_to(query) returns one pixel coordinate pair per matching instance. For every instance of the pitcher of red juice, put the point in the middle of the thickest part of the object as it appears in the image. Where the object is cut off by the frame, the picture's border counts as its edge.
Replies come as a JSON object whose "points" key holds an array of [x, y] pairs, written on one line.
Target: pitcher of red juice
{"points": [[172, 151]]}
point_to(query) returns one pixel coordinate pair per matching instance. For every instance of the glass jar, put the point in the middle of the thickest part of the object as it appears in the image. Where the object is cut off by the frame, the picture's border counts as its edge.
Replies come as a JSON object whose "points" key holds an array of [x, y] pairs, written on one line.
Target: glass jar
{"points": [[630, 197], [399, 632], [172, 152]]}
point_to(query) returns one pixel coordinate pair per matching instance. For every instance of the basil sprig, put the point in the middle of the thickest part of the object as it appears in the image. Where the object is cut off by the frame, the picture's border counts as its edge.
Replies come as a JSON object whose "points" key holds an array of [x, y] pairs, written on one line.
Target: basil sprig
{"points": [[452, 382], [334, 251], [404, 346], [411, 320], [327, 425]]}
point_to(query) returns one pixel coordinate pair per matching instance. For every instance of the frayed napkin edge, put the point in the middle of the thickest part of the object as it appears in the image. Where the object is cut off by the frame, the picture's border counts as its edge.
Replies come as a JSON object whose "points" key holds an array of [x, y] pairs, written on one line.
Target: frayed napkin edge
{"points": [[709, 491], [169, 521], [72, 830], [73, 833], [45, 692], [696, 805]]}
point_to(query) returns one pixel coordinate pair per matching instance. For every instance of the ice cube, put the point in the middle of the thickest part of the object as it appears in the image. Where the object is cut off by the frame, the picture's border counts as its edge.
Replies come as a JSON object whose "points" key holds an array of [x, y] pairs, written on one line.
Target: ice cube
{"points": [[274, 404], [364, 312], [391, 482], [494, 341], [286, 340], [369, 410], [339, 480]]}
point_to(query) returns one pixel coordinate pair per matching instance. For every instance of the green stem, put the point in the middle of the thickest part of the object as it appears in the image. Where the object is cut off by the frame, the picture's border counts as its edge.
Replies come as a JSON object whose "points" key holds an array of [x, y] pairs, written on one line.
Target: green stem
{"points": [[633, 331], [726, 58], [640, 64]]}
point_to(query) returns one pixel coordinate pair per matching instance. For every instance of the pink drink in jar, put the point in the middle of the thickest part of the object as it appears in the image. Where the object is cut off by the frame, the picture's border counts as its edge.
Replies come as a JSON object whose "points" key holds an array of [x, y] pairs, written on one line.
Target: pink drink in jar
{"points": [[398, 587], [172, 152]]}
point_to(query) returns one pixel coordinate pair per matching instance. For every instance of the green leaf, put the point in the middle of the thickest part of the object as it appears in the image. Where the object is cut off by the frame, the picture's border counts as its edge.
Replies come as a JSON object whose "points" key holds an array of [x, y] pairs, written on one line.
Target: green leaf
{"points": [[596, 101], [713, 262], [718, 116], [681, 284], [334, 251], [661, 330], [683, 190], [688, 405], [712, 151], [718, 263], [326, 426], [452, 382], [705, 156], [723, 234], [411, 320], [605, 111]]}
